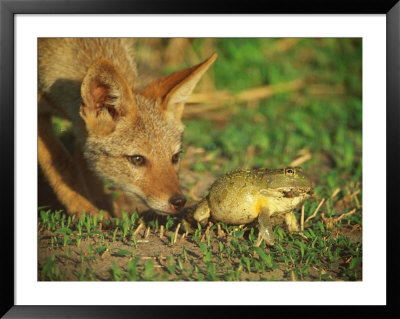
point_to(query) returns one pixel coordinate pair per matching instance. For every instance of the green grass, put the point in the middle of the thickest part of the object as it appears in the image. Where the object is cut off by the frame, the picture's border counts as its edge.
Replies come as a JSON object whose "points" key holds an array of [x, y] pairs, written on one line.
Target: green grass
{"points": [[327, 126], [318, 254]]}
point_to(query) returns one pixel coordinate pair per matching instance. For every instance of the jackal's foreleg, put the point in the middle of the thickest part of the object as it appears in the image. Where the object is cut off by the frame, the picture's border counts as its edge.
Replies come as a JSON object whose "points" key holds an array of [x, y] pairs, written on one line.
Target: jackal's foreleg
{"points": [[61, 171]]}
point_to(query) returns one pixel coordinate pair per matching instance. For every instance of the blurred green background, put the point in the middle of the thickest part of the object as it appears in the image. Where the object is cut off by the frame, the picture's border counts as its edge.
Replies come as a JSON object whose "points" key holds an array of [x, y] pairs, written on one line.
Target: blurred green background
{"points": [[271, 103]]}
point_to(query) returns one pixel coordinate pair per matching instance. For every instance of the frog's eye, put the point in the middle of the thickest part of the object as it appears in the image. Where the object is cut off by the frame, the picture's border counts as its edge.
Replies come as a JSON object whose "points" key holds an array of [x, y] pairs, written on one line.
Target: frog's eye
{"points": [[289, 171]]}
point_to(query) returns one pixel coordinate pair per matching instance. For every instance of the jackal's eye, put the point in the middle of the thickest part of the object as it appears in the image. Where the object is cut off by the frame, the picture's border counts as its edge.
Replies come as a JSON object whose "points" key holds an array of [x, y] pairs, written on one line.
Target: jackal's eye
{"points": [[175, 158], [137, 160]]}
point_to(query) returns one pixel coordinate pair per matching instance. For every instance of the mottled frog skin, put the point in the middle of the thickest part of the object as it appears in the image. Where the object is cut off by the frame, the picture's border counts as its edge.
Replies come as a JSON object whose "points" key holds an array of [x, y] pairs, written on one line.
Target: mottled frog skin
{"points": [[242, 196]]}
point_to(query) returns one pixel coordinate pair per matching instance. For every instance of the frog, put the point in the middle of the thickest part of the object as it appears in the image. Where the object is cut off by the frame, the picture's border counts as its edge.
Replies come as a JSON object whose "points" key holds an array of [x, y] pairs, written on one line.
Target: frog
{"points": [[262, 195]]}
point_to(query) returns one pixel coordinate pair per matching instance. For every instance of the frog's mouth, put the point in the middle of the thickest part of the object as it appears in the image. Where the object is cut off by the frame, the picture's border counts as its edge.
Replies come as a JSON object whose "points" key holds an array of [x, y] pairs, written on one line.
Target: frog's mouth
{"points": [[291, 192]]}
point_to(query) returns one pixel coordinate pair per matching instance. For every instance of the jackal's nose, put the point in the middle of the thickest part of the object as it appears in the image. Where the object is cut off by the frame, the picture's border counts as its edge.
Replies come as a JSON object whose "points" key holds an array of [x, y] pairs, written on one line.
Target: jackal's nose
{"points": [[178, 201]]}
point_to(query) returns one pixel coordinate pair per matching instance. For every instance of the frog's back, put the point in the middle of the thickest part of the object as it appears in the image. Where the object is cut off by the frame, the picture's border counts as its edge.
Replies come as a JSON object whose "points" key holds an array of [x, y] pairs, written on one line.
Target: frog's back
{"points": [[232, 197]]}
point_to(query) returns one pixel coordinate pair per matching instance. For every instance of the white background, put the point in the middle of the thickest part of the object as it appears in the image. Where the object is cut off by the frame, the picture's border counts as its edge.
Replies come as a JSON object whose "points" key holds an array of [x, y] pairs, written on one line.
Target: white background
{"points": [[372, 290]]}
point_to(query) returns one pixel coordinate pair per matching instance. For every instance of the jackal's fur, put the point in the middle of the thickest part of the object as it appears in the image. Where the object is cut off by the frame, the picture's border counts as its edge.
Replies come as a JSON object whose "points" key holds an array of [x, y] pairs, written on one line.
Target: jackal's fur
{"points": [[128, 135]]}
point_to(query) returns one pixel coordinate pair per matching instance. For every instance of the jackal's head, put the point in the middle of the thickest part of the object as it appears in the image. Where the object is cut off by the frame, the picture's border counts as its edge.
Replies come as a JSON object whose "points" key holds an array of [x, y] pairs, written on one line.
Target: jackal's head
{"points": [[134, 137]]}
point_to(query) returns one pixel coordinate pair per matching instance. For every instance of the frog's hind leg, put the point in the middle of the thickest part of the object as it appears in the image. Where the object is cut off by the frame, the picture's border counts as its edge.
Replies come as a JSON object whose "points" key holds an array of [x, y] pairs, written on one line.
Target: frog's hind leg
{"points": [[265, 227], [291, 222]]}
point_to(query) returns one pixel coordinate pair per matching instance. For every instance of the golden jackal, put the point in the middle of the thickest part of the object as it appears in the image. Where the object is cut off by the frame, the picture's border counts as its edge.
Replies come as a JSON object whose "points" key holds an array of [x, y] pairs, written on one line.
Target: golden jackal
{"points": [[128, 135]]}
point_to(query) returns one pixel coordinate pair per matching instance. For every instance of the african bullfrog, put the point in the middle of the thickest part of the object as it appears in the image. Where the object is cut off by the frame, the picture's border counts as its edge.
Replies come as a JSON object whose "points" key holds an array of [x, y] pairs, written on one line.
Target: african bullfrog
{"points": [[242, 196]]}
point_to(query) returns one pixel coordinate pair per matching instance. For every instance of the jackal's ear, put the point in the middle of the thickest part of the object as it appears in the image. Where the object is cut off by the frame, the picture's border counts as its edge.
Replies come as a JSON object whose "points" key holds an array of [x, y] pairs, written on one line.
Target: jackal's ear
{"points": [[106, 97], [174, 89]]}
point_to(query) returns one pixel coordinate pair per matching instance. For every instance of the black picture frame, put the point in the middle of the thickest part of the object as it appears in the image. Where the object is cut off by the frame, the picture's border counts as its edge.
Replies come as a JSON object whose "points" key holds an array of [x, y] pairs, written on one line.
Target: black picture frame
{"points": [[8, 10]]}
